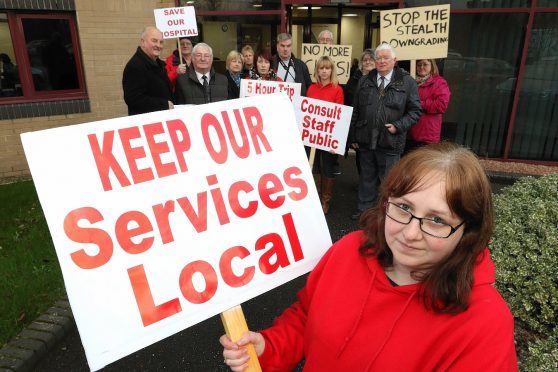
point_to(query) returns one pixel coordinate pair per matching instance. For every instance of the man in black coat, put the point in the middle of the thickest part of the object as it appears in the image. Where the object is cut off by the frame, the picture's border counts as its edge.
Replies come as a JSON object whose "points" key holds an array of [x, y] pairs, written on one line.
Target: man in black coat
{"points": [[144, 81], [289, 68], [386, 105], [201, 84]]}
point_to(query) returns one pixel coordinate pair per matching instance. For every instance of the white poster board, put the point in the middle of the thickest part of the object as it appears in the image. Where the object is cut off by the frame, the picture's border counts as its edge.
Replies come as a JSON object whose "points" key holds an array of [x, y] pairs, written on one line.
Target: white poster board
{"points": [[165, 219], [323, 125], [340, 54], [417, 33], [250, 88], [176, 22]]}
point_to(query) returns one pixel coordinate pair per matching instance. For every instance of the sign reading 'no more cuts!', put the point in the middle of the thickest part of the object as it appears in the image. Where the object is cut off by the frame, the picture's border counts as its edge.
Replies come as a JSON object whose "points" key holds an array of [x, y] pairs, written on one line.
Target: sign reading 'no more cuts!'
{"points": [[165, 219]]}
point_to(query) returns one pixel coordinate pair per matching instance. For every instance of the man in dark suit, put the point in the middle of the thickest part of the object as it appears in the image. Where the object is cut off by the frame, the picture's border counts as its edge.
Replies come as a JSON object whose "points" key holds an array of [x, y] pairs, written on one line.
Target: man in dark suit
{"points": [[201, 84], [289, 68], [144, 81]]}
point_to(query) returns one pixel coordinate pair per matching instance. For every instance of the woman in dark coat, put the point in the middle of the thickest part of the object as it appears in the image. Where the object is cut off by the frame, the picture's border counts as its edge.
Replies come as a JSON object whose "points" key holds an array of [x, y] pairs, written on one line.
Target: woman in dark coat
{"points": [[234, 65]]}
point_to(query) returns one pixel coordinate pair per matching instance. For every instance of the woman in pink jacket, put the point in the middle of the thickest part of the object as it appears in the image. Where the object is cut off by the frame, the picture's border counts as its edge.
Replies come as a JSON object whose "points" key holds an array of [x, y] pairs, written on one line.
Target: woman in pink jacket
{"points": [[434, 98]]}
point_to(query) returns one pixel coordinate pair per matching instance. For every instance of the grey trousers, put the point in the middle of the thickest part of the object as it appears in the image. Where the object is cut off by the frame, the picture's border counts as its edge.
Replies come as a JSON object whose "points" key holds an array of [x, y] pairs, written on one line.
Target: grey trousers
{"points": [[374, 164]]}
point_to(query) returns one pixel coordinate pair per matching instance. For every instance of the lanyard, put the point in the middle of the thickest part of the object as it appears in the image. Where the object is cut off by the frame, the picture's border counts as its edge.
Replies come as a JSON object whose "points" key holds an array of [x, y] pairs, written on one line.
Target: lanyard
{"points": [[286, 69]]}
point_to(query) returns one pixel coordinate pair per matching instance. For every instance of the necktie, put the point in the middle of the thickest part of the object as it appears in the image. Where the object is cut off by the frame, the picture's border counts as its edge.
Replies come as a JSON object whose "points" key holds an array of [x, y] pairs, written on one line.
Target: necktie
{"points": [[206, 92], [383, 78]]}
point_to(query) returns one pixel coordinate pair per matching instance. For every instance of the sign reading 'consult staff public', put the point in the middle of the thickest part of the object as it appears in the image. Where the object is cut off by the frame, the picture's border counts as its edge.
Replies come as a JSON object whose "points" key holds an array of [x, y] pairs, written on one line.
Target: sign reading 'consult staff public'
{"points": [[165, 219]]}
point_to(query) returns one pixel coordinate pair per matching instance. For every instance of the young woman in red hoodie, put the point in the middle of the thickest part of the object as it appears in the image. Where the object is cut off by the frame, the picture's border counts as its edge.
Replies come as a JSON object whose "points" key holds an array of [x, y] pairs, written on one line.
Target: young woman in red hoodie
{"points": [[412, 291], [325, 88]]}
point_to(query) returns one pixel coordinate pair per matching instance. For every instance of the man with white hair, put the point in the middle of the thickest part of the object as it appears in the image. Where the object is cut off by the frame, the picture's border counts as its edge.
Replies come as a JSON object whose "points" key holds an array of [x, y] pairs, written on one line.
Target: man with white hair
{"points": [[144, 80], [201, 84], [325, 37], [386, 105]]}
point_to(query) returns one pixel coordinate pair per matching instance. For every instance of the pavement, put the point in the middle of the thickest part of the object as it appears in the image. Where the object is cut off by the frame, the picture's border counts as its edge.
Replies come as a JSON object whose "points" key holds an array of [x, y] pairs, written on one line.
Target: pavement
{"points": [[52, 343]]}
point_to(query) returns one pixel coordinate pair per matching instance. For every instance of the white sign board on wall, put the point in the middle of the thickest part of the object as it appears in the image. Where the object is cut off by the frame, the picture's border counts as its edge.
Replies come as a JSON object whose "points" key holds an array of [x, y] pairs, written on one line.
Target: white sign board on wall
{"points": [[165, 219]]}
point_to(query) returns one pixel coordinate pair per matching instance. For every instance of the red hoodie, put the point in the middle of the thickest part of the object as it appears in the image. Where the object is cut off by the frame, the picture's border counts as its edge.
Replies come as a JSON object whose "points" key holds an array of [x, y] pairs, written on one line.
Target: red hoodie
{"points": [[350, 318]]}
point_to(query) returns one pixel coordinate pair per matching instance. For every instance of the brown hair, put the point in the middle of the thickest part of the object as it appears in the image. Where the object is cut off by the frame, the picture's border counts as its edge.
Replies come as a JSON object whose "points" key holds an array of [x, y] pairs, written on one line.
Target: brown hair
{"points": [[265, 53], [447, 286], [327, 62], [434, 69]]}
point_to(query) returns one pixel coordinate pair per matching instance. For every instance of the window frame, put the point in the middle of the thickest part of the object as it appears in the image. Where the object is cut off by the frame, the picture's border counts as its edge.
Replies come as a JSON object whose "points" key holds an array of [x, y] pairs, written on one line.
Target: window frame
{"points": [[24, 67]]}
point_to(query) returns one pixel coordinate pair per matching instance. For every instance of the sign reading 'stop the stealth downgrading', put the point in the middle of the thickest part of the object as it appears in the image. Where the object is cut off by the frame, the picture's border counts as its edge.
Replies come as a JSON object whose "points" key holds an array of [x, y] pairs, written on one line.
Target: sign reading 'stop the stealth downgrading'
{"points": [[417, 33]]}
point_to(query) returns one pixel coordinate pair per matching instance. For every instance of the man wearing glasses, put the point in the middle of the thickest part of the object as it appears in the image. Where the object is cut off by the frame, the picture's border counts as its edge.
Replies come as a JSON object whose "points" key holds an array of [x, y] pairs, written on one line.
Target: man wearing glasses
{"points": [[386, 105], [201, 84]]}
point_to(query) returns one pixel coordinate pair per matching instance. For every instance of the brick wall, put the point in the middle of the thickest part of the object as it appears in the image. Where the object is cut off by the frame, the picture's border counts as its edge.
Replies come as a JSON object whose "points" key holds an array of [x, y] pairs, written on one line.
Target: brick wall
{"points": [[109, 33]]}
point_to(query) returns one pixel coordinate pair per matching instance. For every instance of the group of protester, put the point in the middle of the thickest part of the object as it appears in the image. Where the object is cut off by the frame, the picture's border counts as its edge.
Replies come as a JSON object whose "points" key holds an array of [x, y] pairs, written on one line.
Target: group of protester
{"points": [[398, 294]]}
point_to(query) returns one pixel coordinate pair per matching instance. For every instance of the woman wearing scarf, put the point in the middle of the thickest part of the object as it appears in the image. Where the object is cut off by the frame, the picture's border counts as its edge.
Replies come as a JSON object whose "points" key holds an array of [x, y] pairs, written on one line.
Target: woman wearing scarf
{"points": [[234, 64], [264, 71], [434, 98]]}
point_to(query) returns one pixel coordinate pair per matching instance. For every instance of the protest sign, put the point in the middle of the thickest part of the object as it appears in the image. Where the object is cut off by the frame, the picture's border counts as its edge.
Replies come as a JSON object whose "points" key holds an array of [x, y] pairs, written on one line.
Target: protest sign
{"points": [[323, 125], [340, 54], [417, 33], [250, 88], [165, 219], [176, 22]]}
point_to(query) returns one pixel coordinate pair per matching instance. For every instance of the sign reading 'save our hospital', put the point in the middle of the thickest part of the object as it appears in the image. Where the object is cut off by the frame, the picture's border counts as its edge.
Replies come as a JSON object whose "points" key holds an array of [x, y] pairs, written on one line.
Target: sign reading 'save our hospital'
{"points": [[176, 22], [165, 219], [417, 33]]}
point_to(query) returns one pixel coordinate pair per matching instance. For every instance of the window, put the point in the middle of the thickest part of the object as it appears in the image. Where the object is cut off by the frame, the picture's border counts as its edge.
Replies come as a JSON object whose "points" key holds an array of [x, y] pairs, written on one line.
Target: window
{"points": [[479, 69], [535, 134], [39, 58]]}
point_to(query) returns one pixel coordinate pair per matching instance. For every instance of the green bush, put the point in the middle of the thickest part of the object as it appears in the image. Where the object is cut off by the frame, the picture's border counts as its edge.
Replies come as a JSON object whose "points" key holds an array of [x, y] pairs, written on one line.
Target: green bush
{"points": [[525, 250]]}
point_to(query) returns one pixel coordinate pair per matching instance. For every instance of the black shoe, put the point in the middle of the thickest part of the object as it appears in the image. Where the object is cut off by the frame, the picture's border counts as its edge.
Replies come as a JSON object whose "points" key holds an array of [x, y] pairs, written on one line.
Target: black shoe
{"points": [[355, 216]]}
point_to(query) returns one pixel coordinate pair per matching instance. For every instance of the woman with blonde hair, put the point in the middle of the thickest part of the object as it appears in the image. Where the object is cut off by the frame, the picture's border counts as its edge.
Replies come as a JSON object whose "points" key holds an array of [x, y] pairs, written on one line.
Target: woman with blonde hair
{"points": [[234, 63], [325, 88]]}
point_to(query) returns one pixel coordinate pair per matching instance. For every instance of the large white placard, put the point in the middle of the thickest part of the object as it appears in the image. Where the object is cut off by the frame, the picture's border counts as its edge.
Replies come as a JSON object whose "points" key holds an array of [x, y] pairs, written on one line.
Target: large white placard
{"points": [[165, 219], [250, 88], [176, 22], [323, 125]]}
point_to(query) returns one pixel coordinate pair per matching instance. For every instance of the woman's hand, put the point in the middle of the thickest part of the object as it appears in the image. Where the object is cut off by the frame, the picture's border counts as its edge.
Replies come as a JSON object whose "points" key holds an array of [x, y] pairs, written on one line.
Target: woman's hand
{"points": [[181, 69], [236, 354]]}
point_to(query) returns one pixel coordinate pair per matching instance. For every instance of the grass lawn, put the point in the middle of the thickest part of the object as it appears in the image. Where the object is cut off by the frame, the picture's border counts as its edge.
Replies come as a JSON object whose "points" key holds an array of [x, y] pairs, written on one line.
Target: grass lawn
{"points": [[31, 276]]}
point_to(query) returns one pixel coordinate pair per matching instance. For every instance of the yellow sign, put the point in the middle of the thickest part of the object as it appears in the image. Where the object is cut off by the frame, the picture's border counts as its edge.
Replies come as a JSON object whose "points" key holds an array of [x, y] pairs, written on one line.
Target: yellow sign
{"points": [[340, 54], [417, 33]]}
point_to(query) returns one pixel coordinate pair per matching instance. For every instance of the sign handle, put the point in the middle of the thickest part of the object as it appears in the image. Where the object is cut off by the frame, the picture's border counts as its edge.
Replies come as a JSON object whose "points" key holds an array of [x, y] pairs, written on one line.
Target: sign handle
{"points": [[179, 51], [235, 326], [413, 68], [311, 158]]}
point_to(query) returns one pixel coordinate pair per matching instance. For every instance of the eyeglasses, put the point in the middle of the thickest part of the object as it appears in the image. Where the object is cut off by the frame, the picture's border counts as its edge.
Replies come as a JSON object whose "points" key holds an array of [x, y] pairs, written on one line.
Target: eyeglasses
{"points": [[367, 60], [383, 58], [432, 226], [204, 56], [423, 64]]}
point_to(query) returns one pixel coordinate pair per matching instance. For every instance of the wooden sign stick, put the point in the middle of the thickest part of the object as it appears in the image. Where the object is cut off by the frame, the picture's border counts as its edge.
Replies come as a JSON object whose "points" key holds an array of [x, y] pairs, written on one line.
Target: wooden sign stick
{"points": [[413, 68], [179, 52], [235, 326], [311, 158]]}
